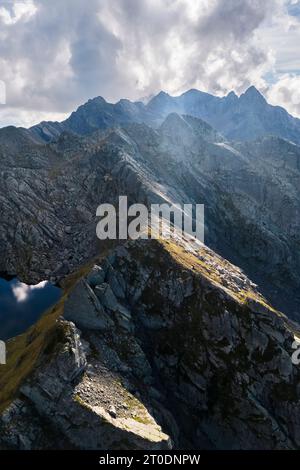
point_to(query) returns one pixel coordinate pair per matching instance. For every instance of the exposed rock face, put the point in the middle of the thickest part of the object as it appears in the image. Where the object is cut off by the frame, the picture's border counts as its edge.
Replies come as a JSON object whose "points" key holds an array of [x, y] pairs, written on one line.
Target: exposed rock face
{"points": [[54, 396], [250, 192], [193, 356], [163, 344]]}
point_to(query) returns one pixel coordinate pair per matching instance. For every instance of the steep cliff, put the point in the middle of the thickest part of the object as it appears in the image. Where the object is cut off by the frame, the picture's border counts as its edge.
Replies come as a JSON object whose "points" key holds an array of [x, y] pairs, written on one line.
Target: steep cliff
{"points": [[173, 346]]}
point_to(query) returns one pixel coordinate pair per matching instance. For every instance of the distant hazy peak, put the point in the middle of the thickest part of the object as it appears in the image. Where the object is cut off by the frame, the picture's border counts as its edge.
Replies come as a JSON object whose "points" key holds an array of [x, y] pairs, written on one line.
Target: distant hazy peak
{"points": [[246, 117], [162, 94], [162, 97], [97, 99], [253, 94], [194, 91], [231, 96]]}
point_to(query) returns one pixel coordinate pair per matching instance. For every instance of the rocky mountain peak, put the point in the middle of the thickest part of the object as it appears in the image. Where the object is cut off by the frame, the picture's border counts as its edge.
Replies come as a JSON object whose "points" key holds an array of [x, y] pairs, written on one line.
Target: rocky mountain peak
{"points": [[232, 96], [162, 101], [253, 96]]}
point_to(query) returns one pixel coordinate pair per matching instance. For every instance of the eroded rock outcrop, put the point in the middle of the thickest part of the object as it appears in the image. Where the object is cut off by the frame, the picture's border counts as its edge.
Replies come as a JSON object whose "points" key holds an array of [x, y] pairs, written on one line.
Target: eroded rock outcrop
{"points": [[176, 348], [68, 402]]}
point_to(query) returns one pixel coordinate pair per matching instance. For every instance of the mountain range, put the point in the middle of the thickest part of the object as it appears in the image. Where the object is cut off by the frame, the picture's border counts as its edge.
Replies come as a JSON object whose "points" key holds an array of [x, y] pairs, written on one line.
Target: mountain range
{"points": [[238, 118], [155, 344]]}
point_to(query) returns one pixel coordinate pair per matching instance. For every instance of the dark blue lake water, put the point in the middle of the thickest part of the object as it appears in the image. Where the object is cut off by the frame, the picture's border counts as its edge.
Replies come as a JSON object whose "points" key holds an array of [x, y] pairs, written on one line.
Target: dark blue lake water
{"points": [[21, 305]]}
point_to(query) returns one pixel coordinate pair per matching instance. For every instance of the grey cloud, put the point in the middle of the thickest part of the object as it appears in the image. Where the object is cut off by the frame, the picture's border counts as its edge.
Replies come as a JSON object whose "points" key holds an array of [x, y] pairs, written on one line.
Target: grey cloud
{"points": [[71, 50], [286, 91], [235, 19], [35, 46]]}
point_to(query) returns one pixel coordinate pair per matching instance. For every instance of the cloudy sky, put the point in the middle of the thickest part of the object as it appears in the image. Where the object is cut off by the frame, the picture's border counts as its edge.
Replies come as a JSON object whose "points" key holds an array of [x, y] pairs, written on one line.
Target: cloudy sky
{"points": [[56, 54]]}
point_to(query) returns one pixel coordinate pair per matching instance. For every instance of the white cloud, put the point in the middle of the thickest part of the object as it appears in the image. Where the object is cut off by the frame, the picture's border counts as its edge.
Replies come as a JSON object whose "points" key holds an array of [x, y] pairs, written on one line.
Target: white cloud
{"points": [[55, 55], [282, 37], [26, 118], [23, 291], [12, 12], [2, 92], [286, 91]]}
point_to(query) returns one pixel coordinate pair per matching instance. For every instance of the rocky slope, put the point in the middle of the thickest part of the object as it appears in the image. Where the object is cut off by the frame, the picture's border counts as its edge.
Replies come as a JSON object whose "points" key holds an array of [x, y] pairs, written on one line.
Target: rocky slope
{"points": [[49, 195], [155, 344], [173, 347]]}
